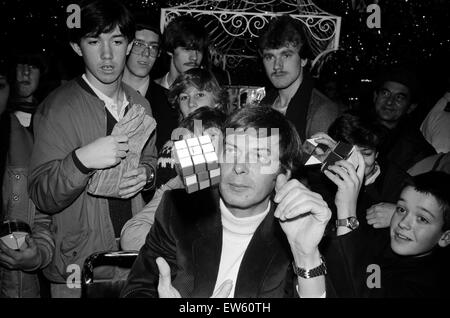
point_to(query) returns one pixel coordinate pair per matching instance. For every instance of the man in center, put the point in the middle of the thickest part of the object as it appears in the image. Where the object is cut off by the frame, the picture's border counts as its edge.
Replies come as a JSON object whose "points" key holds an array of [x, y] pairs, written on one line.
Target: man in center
{"points": [[251, 236]]}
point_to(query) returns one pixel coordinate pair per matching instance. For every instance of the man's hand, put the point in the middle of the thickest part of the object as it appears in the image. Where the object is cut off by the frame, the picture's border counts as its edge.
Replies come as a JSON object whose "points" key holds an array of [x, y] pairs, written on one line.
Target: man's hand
{"points": [[303, 215], [348, 181], [27, 258], [103, 152], [166, 290], [133, 181], [380, 215]]}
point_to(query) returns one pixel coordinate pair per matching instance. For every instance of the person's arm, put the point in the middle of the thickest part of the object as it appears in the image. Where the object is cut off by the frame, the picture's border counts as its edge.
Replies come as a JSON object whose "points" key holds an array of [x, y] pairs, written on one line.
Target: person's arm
{"points": [[303, 216], [144, 275], [60, 165]]}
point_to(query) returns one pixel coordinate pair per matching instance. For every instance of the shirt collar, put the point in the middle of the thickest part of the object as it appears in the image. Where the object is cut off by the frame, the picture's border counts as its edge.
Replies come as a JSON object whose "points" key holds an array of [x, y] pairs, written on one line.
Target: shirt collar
{"points": [[374, 175]]}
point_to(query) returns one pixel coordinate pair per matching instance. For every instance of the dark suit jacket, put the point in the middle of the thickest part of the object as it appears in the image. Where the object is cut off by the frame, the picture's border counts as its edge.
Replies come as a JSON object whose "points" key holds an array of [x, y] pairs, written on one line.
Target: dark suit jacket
{"points": [[166, 117], [188, 233]]}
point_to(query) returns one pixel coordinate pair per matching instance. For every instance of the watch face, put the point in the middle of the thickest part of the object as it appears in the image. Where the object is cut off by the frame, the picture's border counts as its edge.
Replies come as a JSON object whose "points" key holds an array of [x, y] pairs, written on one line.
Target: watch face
{"points": [[353, 223]]}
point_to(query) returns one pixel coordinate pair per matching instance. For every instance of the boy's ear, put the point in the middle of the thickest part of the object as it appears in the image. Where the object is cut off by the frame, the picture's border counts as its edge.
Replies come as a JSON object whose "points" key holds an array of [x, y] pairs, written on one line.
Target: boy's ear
{"points": [[445, 239], [76, 48]]}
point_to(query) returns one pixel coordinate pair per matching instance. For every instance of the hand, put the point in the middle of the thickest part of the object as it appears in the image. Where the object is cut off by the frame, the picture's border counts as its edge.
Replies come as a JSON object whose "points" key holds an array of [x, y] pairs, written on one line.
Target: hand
{"points": [[303, 216], [323, 138], [166, 290], [27, 258], [133, 181], [104, 152], [349, 182], [380, 215]]}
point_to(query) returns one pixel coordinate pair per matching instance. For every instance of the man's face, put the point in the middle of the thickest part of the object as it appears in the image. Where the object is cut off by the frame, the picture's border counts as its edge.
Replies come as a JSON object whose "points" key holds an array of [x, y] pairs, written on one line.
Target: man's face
{"points": [[4, 93], [283, 66], [392, 101], [192, 99], [141, 60], [244, 187], [416, 226], [184, 59], [27, 80], [104, 57], [370, 157]]}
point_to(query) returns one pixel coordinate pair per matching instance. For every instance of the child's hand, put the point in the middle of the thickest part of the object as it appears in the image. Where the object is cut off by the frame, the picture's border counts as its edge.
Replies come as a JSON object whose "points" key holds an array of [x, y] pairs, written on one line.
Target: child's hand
{"points": [[380, 215]]}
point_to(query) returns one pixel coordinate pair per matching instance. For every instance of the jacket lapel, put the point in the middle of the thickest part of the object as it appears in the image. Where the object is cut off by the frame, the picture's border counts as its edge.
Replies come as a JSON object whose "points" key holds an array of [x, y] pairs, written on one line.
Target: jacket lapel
{"points": [[207, 250], [261, 251]]}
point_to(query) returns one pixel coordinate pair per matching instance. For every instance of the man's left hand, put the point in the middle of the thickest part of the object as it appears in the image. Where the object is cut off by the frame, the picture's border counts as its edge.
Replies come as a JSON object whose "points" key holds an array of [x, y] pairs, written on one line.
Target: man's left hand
{"points": [[133, 181], [303, 215]]}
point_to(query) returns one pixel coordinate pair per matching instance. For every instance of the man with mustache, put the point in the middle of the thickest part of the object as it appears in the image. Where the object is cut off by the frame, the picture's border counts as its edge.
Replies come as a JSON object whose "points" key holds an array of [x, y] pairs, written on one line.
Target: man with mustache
{"points": [[285, 53], [73, 140], [186, 42]]}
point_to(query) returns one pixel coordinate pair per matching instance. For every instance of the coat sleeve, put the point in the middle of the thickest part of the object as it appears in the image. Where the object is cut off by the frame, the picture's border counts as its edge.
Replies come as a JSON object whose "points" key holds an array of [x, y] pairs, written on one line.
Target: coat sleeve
{"points": [[56, 177], [41, 233], [144, 275]]}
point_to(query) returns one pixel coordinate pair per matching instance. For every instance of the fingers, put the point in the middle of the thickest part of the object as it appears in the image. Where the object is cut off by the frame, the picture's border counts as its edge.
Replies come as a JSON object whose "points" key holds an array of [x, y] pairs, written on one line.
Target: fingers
{"points": [[121, 138], [280, 182], [7, 261], [133, 182], [132, 191], [224, 289], [286, 187], [7, 250], [135, 172], [361, 166], [165, 281]]}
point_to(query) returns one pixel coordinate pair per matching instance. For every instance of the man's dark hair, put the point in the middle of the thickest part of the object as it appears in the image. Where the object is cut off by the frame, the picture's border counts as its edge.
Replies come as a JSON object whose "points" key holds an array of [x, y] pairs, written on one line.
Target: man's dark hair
{"points": [[436, 184], [147, 22], [210, 118], [185, 31], [257, 117], [357, 130], [283, 31], [103, 16]]}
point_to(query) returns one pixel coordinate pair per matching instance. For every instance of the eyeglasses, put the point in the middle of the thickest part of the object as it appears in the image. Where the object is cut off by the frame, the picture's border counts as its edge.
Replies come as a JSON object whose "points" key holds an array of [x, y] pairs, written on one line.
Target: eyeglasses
{"points": [[139, 47], [399, 98]]}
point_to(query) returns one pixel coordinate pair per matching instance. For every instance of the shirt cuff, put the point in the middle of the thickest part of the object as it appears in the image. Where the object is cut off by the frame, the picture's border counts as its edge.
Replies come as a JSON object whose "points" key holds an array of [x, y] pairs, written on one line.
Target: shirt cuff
{"points": [[324, 295], [79, 164]]}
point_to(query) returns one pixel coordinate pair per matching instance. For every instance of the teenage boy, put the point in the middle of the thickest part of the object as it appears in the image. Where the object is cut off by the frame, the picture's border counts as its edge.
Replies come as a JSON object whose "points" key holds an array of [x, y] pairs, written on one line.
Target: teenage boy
{"points": [[73, 139]]}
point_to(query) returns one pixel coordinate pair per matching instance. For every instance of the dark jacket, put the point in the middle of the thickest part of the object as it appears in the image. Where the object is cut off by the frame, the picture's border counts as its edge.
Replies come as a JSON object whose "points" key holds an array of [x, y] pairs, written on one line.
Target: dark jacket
{"points": [[187, 233], [405, 145], [348, 257], [309, 110], [165, 115]]}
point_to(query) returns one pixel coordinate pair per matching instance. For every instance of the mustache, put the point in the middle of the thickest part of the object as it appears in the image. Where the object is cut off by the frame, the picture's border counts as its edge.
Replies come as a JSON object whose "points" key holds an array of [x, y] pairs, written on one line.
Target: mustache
{"points": [[23, 82]]}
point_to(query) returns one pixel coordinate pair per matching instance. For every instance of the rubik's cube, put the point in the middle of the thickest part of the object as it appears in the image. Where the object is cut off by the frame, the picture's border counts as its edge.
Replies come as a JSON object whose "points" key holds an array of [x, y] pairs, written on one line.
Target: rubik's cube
{"points": [[197, 162], [321, 154]]}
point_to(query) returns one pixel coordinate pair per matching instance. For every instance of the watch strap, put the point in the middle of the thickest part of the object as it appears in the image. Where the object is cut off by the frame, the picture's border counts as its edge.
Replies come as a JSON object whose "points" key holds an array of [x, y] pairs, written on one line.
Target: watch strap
{"points": [[310, 273]]}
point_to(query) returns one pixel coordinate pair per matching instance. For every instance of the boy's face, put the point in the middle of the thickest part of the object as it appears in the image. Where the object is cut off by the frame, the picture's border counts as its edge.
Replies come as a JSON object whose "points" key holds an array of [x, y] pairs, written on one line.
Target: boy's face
{"points": [[141, 60], [370, 156], [27, 79], [416, 226], [104, 57], [283, 65], [245, 186], [192, 99], [184, 59]]}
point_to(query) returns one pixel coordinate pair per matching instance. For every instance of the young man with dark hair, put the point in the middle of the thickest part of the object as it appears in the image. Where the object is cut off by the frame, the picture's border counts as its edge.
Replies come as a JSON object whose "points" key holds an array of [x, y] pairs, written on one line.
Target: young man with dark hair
{"points": [[395, 98], [285, 52], [144, 53], [186, 42], [251, 237], [73, 140]]}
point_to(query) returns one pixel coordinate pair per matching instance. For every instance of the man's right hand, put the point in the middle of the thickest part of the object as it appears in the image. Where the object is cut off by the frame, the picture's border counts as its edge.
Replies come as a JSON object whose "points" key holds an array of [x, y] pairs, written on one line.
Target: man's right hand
{"points": [[166, 290], [104, 152]]}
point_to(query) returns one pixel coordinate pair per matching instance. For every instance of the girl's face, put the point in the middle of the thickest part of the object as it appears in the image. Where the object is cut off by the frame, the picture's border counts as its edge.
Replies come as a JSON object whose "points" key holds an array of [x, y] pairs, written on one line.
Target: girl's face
{"points": [[192, 99]]}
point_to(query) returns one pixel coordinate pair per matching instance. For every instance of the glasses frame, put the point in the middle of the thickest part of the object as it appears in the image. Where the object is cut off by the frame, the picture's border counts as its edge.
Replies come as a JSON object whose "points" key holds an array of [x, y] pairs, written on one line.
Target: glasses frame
{"points": [[151, 48]]}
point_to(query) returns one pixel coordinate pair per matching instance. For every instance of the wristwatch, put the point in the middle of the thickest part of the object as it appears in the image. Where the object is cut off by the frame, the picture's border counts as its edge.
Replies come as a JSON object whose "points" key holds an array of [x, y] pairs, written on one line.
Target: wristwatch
{"points": [[352, 222], [310, 273]]}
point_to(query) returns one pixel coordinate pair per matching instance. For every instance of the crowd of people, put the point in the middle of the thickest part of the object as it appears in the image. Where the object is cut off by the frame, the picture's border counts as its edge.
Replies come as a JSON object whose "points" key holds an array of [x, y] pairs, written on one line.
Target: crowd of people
{"points": [[91, 167]]}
